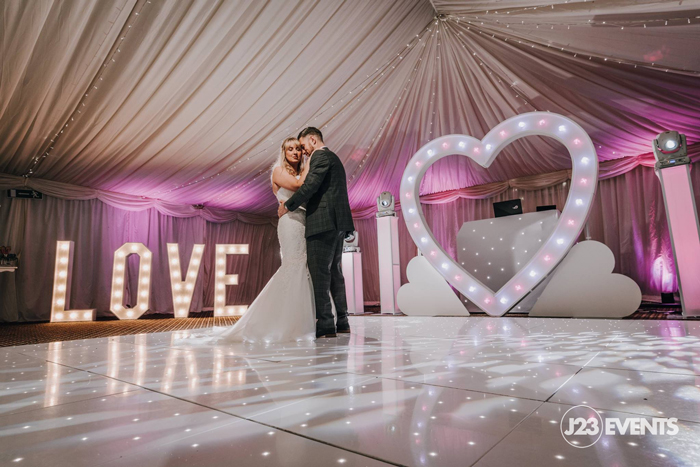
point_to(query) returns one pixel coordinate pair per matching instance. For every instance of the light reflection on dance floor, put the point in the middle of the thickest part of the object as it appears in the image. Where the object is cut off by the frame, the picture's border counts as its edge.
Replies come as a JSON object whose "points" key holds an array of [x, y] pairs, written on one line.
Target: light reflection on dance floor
{"points": [[398, 391]]}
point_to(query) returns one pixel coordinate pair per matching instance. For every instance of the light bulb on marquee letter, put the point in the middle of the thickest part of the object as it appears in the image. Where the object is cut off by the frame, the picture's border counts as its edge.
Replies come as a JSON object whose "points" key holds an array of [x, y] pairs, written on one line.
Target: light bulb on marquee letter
{"points": [[144, 283], [222, 280], [61, 287], [183, 290]]}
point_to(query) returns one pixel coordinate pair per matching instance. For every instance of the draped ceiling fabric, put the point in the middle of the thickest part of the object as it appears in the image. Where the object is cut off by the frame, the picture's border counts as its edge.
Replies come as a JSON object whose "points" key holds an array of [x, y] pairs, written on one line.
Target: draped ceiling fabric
{"points": [[158, 106], [188, 101]]}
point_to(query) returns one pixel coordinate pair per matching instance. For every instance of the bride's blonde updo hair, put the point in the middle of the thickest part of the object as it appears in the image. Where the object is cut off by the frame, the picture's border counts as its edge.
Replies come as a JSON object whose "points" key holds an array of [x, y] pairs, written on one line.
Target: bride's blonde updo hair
{"points": [[282, 159]]}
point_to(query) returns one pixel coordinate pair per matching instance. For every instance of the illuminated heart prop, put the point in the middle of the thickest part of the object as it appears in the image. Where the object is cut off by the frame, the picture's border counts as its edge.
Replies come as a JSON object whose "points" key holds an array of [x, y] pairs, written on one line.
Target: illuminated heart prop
{"points": [[584, 179]]}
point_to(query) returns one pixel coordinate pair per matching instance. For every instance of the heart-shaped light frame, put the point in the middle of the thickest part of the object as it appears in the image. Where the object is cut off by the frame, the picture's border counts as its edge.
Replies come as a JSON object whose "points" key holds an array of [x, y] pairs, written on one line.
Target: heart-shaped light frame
{"points": [[584, 179]]}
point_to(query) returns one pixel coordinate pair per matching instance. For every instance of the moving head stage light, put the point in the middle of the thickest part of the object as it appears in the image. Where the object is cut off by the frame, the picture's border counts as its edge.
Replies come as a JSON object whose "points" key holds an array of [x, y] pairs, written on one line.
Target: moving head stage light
{"points": [[670, 149]]}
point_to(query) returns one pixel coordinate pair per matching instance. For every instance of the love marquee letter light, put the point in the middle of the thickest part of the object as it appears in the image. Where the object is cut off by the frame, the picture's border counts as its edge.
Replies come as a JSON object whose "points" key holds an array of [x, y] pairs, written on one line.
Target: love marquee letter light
{"points": [[222, 280], [183, 290], [584, 179], [61, 287], [144, 282]]}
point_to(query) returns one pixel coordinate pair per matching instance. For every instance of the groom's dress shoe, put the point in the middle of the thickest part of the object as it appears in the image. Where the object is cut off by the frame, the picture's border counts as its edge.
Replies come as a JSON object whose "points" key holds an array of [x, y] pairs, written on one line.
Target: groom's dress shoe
{"points": [[344, 331], [330, 334]]}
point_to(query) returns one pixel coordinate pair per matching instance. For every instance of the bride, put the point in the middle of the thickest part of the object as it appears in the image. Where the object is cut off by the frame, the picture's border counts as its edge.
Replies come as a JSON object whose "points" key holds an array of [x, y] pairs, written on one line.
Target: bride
{"points": [[284, 311]]}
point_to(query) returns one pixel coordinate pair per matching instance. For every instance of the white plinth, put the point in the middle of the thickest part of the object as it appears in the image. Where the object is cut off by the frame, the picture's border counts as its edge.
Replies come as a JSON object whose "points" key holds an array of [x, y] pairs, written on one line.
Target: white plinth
{"points": [[493, 250], [389, 264], [352, 272], [682, 215]]}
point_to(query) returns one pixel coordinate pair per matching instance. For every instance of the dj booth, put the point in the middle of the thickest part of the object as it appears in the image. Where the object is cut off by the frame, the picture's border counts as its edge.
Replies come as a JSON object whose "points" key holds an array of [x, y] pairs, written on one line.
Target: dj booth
{"points": [[493, 250]]}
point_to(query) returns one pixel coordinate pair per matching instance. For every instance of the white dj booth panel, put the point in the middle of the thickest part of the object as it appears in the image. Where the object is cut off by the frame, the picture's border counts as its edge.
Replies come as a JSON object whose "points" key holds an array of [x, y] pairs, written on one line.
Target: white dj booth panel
{"points": [[493, 250]]}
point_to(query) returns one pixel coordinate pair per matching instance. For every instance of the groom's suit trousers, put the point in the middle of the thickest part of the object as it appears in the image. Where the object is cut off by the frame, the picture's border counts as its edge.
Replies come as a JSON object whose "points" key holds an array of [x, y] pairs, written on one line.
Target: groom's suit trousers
{"points": [[324, 254]]}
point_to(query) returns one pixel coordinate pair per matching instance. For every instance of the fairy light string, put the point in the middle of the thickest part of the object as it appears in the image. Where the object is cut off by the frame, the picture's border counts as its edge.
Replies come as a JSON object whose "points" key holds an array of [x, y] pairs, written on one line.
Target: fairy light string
{"points": [[94, 85], [494, 22], [399, 101], [374, 79]]}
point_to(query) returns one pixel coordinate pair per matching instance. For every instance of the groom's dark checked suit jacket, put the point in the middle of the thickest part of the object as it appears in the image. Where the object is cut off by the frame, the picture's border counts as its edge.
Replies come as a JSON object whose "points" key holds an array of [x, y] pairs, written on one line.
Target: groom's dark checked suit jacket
{"points": [[325, 192], [328, 219]]}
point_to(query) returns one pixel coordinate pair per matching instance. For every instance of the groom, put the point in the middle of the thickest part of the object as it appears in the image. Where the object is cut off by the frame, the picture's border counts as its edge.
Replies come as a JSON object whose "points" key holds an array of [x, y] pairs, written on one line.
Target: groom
{"points": [[328, 221]]}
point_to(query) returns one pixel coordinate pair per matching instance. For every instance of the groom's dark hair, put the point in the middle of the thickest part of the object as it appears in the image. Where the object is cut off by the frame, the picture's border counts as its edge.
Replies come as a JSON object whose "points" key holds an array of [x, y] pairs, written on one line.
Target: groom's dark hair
{"points": [[309, 130]]}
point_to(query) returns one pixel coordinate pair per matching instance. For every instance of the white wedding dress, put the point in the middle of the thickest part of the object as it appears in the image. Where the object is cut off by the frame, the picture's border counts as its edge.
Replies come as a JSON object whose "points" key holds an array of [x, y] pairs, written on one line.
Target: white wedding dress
{"points": [[285, 310]]}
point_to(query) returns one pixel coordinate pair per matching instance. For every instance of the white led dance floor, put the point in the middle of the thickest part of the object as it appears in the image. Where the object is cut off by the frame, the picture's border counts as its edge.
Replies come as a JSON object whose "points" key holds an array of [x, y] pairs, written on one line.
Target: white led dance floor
{"points": [[398, 391]]}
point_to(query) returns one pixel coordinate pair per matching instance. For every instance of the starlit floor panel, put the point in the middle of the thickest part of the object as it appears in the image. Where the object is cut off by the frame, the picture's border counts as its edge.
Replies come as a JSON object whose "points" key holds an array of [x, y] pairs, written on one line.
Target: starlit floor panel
{"points": [[397, 391]]}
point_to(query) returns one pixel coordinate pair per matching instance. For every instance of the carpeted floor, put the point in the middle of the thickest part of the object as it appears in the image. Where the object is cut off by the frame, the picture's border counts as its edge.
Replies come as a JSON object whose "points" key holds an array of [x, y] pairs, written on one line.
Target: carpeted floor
{"points": [[37, 333]]}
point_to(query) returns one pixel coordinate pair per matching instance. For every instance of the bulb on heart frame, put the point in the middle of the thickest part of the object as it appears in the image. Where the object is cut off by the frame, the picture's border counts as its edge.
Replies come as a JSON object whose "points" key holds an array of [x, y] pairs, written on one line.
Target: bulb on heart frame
{"points": [[462, 144], [570, 133]]}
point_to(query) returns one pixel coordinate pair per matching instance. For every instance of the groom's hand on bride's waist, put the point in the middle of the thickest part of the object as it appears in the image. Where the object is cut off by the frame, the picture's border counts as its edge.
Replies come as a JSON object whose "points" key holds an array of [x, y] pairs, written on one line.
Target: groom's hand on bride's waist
{"points": [[282, 209]]}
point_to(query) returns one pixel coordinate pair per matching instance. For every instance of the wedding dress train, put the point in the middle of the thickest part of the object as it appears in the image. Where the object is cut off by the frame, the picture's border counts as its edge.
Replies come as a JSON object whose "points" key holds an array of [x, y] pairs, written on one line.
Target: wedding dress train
{"points": [[284, 311]]}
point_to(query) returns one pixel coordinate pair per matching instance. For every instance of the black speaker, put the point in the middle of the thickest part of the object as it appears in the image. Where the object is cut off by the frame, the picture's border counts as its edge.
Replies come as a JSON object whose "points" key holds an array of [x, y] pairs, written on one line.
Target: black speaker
{"points": [[667, 297], [507, 208]]}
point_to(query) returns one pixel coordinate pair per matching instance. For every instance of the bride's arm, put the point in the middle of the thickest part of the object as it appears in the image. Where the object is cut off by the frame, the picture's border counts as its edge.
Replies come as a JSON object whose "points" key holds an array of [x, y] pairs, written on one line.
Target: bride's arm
{"points": [[304, 172], [284, 179]]}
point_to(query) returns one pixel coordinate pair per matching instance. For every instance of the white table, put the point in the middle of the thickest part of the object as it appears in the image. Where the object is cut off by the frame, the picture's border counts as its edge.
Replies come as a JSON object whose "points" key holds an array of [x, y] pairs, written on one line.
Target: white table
{"points": [[352, 273], [493, 250], [8, 302]]}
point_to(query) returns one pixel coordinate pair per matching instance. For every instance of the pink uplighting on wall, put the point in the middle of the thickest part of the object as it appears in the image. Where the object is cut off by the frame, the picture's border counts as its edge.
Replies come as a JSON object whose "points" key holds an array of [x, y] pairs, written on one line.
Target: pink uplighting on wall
{"points": [[664, 275]]}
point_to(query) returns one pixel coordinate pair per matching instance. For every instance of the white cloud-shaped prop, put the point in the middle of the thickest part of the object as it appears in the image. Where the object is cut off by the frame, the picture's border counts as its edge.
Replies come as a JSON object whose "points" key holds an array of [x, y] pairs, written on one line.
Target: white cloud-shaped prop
{"points": [[584, 286], [427, 293]]}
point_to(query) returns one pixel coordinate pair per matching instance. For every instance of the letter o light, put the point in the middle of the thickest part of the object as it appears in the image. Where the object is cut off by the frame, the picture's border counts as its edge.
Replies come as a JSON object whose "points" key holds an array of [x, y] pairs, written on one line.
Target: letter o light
{"points": [[118, 281]]}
